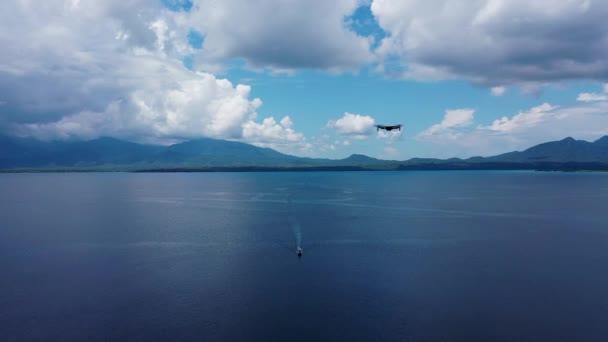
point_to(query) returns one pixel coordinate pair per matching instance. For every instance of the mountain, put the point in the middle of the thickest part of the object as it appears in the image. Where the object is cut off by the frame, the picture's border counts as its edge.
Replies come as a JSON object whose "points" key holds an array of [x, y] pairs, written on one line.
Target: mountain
{"points": [[205, 154], [360, 160], [603, 141], [30, 153], [566, 150], [214, 152]]}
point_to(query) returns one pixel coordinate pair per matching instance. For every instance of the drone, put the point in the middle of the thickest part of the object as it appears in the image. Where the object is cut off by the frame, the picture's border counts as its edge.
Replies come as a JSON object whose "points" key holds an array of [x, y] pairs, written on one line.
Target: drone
{"points": [[388, 127]]}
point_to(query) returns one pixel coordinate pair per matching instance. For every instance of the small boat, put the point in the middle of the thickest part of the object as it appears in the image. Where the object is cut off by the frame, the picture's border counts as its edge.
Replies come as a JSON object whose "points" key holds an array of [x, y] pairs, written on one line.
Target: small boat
{"points": [[299, 252]]}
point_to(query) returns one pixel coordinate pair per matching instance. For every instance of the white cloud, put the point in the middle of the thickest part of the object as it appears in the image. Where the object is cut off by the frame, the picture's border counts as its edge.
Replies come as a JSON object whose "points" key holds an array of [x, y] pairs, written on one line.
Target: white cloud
{"points": [[522, 120], [90, 68], [356, 126], [323, 144], [498, 91], [453, 118], [489, 42], [592, 97], [170, 102], [280, 136], [281, 35], [390, 136], [519, 131]]}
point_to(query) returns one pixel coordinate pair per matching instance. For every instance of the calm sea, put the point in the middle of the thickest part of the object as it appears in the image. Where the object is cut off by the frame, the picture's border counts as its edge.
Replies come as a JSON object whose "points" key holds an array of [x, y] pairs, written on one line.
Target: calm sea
{"points": [[402, 256]]}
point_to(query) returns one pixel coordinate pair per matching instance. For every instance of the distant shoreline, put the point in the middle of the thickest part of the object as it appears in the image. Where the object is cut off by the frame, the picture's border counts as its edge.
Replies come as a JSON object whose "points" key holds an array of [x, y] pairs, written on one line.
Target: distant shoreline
{"points": [[106, 154], [547, 166]]}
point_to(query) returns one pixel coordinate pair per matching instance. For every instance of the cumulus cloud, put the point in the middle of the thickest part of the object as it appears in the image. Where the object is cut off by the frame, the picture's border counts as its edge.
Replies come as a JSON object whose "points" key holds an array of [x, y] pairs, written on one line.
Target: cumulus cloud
{"points": [[356, 126], [82, 69], [194, 105], [281, 35], [277, 135], [519, 131], [390, 136], [360, 127], [494, 42]]}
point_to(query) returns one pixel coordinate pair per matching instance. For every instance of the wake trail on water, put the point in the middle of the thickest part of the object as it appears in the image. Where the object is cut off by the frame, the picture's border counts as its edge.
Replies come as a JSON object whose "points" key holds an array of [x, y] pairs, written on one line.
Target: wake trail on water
{"points": [[297, 234], [295, 225]]}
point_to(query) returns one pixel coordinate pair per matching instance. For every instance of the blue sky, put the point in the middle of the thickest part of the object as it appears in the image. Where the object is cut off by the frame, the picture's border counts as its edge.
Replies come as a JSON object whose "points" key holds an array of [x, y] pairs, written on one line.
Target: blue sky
{"points": [[308, 78]]}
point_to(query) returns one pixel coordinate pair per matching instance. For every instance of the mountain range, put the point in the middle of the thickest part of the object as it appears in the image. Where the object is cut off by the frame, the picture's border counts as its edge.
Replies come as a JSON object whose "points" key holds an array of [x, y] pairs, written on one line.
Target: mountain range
{"points": [[19, 154]]}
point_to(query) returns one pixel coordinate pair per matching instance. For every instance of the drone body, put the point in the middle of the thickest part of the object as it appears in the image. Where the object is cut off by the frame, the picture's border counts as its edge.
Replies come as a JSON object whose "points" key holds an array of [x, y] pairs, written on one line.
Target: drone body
{"points": [[388, 127]]}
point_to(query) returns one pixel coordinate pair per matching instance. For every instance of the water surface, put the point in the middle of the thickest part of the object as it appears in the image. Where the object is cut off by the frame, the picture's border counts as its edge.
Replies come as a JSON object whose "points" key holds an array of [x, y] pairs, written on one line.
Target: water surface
{"points": [[404, 256]]}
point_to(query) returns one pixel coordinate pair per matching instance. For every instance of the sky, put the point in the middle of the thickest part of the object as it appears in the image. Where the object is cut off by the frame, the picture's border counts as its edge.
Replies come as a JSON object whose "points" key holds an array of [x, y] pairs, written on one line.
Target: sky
{"points": [[308, 77]]}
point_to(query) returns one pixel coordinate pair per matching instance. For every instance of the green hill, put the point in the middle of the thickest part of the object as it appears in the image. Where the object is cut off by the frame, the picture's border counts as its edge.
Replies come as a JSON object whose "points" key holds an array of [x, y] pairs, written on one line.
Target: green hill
{"points": [[114, 154]]}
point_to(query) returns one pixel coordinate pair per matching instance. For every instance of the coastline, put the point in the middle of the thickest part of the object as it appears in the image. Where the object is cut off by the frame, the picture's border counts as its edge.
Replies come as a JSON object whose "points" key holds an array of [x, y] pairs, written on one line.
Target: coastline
{"points": [[497, 166]]}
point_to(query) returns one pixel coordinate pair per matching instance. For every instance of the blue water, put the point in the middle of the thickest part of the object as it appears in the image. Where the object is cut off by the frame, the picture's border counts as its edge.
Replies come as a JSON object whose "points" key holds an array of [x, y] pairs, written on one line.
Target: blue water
{"points": [[402, 256]]}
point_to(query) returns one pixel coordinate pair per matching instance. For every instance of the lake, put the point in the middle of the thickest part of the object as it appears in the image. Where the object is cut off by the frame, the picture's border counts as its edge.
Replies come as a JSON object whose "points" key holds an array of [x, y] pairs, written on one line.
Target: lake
{"points": [[392, 256]]}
